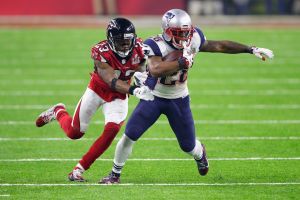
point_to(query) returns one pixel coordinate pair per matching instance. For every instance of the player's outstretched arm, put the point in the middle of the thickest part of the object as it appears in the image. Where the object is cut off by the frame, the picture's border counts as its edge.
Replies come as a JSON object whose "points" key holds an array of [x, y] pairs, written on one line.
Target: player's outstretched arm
{"points": [[231, 47]]}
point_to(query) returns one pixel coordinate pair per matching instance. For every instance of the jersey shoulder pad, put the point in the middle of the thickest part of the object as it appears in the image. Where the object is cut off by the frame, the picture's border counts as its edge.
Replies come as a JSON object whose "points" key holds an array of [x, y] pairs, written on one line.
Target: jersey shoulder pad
{"points": [[200, 34], [157, 45]]}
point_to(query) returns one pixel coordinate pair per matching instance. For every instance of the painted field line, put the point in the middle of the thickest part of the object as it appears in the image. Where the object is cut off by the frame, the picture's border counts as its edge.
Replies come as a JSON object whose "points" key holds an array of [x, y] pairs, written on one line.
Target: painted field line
{"points": [[206, 81], [4, 195], [224, 92], [57, 70], [144, 184], [193, 106], [157, 139], [44, 82], [145, 159], [164, 122]]}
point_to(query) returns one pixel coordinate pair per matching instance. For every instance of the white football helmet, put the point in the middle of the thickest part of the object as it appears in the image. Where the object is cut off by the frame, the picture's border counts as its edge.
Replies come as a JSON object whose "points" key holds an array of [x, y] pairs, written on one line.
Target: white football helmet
{"points": [[177, 27]]}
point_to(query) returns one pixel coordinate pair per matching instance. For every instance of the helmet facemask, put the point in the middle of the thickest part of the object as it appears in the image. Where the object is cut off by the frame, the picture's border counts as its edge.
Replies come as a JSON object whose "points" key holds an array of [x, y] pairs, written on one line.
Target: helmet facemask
{"points": [[122, 44], [179, 36]]}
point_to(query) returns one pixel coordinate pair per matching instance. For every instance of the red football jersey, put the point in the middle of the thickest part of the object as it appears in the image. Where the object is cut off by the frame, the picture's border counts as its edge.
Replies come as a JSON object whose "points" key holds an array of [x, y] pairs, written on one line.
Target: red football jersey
{"points": [[124, 68]]}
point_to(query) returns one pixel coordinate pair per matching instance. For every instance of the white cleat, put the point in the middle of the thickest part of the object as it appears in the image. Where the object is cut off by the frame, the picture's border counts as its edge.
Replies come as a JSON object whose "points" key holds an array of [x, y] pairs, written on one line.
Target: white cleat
{"points": [[48, 115]]}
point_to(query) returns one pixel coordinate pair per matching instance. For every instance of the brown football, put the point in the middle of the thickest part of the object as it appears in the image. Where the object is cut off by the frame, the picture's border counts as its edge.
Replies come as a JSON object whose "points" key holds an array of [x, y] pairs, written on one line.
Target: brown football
{"points": [[174, 55]]}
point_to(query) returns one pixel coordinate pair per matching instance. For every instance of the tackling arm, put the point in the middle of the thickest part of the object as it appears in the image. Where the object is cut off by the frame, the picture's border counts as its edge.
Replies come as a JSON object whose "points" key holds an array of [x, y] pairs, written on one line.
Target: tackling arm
{"points": [[106, 72]]}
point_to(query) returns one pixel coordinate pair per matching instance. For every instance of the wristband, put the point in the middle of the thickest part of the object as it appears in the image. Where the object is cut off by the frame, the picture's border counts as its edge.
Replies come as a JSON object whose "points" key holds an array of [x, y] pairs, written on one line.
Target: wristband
{"points": [[250, 50], [113, 83], [130, 91]]}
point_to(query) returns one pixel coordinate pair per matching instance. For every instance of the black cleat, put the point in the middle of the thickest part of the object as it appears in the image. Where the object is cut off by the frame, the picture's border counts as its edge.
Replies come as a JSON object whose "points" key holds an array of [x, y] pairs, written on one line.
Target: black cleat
{"points": [[203, 164]]}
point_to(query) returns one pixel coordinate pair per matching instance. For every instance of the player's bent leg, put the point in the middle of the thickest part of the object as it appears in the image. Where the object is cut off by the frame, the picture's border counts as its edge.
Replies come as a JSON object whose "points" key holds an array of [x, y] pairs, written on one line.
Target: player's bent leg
{"points": [[75, 127], [65, 121], [122, 152], [95, 151], [115, 113], [100, 145], [181, 120], [48, 115], [144, 115]]}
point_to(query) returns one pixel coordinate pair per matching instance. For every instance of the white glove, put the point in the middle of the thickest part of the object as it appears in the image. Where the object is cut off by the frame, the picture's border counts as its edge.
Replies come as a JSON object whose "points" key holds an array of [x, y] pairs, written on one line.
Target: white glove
{"points": [[143, 93], [188, 54], [262, 53], [140, 78]]}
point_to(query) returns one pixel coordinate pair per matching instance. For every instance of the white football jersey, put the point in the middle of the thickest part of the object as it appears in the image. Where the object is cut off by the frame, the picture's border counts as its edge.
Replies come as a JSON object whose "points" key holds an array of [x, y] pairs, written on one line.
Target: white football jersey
{"points": [[175, 85]]}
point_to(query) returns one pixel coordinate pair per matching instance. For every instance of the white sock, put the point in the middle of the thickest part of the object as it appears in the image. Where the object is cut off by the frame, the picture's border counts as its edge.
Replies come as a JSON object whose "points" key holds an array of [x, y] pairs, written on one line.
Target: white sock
{"points": [[197, 151], [123, 150], [79, 166]]}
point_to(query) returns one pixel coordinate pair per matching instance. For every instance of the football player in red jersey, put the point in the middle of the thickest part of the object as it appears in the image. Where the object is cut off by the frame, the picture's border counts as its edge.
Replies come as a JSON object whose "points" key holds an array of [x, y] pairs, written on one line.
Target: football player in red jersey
{"points": [[115, 61]]}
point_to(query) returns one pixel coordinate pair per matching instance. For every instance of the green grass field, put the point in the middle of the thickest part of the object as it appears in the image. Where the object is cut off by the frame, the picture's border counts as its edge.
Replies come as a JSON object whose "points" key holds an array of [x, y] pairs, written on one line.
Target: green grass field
{"points": [[247, 112]]}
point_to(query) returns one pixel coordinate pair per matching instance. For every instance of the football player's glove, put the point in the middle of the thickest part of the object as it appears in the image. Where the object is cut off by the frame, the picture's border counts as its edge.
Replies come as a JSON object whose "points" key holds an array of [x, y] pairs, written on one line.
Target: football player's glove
{"points": [[140, 78], [144, 93], [262, 53]]}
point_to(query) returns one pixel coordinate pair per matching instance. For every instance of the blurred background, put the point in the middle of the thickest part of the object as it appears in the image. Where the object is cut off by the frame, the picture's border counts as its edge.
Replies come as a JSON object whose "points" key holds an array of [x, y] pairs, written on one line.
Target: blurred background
{"points": [[148, 7], [95, 12]]}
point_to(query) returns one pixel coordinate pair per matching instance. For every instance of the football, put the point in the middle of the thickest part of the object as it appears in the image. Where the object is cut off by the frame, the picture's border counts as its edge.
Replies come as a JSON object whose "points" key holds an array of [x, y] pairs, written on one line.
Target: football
{"points": [[174, 55]]}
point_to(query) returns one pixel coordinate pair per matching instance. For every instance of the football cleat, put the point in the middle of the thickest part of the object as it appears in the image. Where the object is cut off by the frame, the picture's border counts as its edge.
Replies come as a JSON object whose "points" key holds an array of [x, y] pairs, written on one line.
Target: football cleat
{"points": [[112, 178], [76, 175], [48, 115], [203, 164]]}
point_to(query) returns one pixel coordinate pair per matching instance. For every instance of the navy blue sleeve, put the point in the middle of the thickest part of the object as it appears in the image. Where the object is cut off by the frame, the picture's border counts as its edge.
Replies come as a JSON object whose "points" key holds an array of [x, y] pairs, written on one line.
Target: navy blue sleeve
{"points": [[202, 37], [153, 46]]}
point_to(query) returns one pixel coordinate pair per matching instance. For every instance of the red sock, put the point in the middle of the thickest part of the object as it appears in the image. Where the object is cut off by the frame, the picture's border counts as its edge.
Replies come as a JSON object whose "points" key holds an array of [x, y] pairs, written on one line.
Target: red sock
{"points": [[65, 121], [100, 145]]}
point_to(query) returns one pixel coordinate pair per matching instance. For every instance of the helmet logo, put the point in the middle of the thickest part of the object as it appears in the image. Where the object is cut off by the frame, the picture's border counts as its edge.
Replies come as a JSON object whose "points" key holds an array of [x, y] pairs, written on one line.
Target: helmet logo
{"points": [[169, 16], [112, 24]]}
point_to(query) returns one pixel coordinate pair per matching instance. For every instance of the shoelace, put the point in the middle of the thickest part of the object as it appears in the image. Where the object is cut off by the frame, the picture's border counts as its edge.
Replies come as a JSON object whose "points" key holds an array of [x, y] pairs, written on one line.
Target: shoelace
{"points": [[77, 173], [48, 116]]}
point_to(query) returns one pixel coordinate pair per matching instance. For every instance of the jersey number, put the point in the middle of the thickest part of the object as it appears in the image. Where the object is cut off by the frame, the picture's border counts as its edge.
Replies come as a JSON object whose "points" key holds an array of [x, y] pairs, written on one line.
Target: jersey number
{"points": [[169, 80]]}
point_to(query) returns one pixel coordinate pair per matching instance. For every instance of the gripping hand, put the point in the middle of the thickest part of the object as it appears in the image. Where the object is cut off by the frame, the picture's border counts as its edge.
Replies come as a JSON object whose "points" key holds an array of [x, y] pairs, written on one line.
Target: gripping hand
{"points": [[262, 53], [187, 59], [144, 93]]}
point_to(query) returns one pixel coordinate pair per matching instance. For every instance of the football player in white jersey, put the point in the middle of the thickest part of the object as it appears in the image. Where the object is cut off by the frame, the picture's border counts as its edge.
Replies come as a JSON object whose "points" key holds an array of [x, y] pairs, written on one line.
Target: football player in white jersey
{"points": [[168, 80]]}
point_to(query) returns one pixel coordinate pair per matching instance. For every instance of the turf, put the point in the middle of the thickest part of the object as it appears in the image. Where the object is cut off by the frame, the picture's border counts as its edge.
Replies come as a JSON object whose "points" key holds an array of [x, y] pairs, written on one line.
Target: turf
{"points": [[246, 112]]}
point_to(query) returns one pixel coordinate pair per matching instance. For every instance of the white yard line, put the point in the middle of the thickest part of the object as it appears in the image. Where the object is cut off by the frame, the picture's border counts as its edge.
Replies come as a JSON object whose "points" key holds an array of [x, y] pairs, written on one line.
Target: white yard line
{"points": [[193, 106], [206, 81], [164, 122], [213, 70], [157, 139], [224, 92], [145, 184], [144, 159]]}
